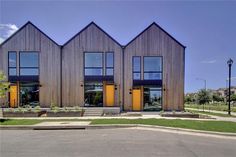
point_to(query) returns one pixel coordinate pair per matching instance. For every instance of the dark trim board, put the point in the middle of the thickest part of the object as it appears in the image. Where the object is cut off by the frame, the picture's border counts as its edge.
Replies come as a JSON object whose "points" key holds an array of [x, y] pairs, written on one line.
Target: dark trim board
{"points": [[157, 83], [23, 78]]}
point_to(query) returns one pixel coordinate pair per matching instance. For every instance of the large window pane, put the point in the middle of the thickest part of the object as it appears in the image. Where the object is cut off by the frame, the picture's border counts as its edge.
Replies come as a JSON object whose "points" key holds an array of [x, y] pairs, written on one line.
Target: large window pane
{"points": [[29, 94], [109, 72], [93, 59], [152, 76], [136, 76], [152, 99], [152, 64], [109, 59], [12, 71], [95, 72], [12, 63], [29, 59], [93, 94], [29, 71], [12, 59], [29, 63], [136, 64]]}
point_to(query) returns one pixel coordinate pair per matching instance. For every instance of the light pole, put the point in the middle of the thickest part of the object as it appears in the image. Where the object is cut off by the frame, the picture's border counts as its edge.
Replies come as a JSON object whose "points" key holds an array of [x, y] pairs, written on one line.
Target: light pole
{"points": [[229, 62], [205, 88]]}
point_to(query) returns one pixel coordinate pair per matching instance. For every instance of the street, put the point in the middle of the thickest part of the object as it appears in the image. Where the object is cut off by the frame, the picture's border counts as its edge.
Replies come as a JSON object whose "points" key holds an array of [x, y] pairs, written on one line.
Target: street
{"points": [[111, 142]]}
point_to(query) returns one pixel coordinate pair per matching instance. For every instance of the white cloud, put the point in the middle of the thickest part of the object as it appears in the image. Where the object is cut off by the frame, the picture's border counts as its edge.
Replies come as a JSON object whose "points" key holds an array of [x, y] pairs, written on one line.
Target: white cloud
{"points": [[208, 61], [1, 40], [6, 30]]}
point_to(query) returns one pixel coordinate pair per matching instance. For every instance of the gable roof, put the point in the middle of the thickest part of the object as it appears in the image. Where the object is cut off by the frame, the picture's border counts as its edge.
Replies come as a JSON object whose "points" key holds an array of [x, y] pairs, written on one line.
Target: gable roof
{"points": [[155, 24], [22, 27], [92, 23]]}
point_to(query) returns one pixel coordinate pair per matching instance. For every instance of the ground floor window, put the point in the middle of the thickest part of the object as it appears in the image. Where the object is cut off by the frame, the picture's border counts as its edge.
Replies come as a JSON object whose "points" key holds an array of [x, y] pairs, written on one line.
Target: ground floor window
{"points": [[93, 94], [152, 99], [29, 94]]}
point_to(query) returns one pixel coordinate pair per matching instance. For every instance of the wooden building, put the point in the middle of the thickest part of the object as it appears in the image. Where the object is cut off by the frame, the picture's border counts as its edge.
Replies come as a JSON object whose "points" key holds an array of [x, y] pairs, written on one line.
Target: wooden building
{"points": [[93, 70]]}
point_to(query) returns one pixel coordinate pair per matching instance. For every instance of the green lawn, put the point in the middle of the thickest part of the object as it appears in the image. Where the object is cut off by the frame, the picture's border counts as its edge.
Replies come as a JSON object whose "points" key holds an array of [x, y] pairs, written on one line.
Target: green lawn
{"points": [[219, 126], [216, 107], [33, 121], [211, 113], [19, 121]]}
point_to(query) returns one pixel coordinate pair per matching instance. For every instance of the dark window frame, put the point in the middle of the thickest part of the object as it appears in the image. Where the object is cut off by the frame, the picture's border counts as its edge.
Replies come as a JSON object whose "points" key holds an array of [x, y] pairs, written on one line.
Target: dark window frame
{"points": [[9, 63], [158, 72], [87, 52], [157, 89], [30, 52], [107, 67], [136, 72]]}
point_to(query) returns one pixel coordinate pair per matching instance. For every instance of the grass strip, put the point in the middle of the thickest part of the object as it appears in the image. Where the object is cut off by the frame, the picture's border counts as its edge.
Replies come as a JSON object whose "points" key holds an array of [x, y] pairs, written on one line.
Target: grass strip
{"points": [[219, 126], [34, 121], [210, 113]]}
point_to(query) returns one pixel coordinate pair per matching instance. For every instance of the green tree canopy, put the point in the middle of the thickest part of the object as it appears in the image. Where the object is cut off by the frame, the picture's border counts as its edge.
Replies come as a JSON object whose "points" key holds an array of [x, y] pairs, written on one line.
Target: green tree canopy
{"points": [[233, 97], [217, 98], [4, 85], [203, 97]]}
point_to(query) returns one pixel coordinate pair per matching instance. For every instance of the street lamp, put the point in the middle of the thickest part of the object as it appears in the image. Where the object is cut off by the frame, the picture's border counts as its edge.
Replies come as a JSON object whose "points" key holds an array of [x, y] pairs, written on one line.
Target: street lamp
{"points": [[229, 62], [204, 86]]}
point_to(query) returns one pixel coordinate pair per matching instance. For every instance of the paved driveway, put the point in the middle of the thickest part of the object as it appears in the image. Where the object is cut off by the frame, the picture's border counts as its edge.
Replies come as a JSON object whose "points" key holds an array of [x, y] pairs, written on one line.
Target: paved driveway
{"points": [[111, 142]]}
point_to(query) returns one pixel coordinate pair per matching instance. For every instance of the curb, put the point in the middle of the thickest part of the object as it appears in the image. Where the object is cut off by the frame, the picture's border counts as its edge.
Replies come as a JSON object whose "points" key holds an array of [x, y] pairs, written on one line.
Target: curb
{"points": [[113, 126]]}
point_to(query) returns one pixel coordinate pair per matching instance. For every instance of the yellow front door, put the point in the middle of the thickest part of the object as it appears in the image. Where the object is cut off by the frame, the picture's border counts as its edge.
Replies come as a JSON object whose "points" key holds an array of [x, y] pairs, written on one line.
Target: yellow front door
{"points": [[136, 99], [110, 95], [13, 96]]}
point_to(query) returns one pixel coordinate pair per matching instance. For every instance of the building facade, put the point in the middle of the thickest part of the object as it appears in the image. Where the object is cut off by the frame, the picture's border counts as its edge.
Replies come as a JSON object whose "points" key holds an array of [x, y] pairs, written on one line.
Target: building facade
{"points": [[93, 70]]}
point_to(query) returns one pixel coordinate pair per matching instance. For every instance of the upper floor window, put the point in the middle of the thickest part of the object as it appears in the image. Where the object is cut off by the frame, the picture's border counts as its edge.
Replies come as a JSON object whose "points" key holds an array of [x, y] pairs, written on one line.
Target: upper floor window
{"points": [[29, 63], [136, 68], [12, 63], [152, 68], [109, 63], [93, 64]]}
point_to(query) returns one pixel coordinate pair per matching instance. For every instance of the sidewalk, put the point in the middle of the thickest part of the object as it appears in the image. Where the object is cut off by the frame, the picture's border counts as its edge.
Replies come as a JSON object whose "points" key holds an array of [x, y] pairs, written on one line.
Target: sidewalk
{"points": [[213, 111]]}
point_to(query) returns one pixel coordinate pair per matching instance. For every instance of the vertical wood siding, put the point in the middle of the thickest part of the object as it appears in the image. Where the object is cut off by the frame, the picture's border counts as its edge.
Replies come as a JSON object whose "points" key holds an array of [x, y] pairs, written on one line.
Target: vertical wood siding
{"points": [[31, 39], [92, 39], [155, 42]]}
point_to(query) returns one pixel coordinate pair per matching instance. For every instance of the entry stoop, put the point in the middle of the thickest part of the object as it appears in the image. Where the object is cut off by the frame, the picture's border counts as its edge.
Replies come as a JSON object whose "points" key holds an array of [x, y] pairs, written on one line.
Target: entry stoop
{"points": [[93, 112]]}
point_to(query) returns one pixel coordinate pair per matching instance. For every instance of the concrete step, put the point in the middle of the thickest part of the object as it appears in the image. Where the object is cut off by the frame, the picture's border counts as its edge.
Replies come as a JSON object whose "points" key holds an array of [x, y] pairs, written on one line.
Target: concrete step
{"points": [[93, 112]]}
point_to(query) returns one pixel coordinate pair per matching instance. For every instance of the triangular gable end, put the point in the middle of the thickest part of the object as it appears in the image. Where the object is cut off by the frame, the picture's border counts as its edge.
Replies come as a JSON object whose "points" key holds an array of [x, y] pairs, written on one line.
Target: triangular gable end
{"points": [[21, 28], [155, 24], [90, 24]]}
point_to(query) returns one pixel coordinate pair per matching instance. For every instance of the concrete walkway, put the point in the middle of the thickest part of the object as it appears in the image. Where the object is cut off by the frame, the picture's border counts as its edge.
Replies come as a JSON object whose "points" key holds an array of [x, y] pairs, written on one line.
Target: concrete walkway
{"points": [[213, 111]]}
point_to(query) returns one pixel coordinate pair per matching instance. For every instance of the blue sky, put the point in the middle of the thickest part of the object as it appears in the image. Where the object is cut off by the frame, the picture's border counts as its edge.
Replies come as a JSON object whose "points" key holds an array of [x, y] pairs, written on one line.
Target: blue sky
{"points": [[208, 29]]}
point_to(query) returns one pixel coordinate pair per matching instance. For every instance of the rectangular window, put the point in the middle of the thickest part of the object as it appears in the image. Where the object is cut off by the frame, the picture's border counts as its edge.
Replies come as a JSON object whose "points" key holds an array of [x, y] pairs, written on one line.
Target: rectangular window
{"points": [[93, 64], [12, 63], [109, 63], [29, 63], [29, 94], [152, 68], [152, 99], [136, 68]]}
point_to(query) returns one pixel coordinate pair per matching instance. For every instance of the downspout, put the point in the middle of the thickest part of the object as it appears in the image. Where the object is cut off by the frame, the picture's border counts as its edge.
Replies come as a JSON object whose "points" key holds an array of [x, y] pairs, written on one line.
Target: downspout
{"points": [[123, 78], [61, 76]]}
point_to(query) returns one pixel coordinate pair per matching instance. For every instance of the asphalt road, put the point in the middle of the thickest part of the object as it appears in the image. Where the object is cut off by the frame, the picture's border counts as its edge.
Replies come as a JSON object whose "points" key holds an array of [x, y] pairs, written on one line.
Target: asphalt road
{"points": [[111, 143]]}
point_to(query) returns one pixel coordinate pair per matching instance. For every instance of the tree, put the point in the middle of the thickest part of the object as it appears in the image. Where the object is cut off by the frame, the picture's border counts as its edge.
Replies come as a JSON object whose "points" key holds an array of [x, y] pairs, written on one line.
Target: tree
{"points": [[217, 98], [203, 97], [233, 97], [4, 85], [189, 98]]}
